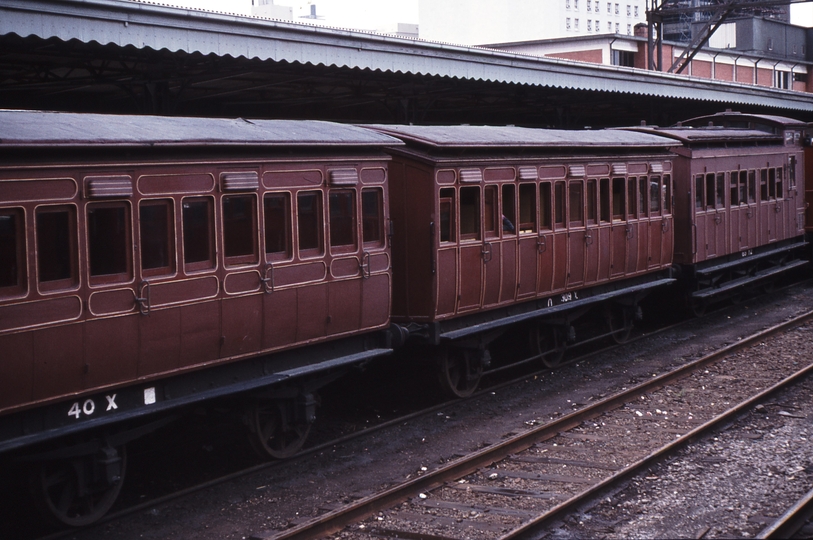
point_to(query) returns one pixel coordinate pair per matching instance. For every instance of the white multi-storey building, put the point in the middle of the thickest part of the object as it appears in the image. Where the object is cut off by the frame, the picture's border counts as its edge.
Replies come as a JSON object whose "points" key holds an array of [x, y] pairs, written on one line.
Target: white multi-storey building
{"points": [[477, 22]]}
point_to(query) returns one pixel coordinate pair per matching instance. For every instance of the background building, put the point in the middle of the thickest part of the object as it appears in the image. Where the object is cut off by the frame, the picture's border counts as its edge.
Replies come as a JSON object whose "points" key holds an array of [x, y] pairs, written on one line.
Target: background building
{"points": [[462, 21]]}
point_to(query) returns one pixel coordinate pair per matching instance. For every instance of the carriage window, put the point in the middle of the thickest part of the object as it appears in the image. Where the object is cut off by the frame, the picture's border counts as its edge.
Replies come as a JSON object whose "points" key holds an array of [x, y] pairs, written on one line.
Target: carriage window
{"points": [[734, 188], [108, 239], [667, 194], [763, 184], [277, 214], [743, 199], [508, 209], [772, 184], [56, 247], [559, 204], [240, 229], [544, 206], [618, 199], [709, 190], [632, 198], [591, 201], [643, 189], [698, 192], [309, 221], [12, 252], [157, 237], [779, 183], [655, 194], [490, 216], [792, 171], [604, 199], [576, 203], [527, 207], [470, 213], [752, 186], [372, 216], [720, 191], [447, 222], [342, 209], [198, 237]]}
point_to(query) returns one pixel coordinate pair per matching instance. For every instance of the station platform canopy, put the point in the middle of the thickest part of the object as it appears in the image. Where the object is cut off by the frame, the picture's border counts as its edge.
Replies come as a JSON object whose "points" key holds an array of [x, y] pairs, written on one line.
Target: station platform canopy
{"points": [[125, 56]]}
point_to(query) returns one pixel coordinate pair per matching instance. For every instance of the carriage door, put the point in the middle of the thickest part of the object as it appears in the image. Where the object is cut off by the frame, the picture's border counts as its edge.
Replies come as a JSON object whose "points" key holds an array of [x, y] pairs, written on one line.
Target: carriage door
{"points": [[545, 240], [620, 230], [643, 224], [446, 263], [710, 221], [769, 207], [667, 222], [657, 225], [740, 212], [560, 236], [592, 240], [577, 234], [794, 204], [472, 249], [604, 230], [508, 220], [528, 248], [633, 225], [492, 246], [785, 207]]}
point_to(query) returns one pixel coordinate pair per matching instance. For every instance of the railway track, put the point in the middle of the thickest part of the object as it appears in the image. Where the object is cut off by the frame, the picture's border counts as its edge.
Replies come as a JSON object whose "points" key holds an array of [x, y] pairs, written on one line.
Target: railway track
{"points": [[548, 470], [789, 524], [313, 451]]}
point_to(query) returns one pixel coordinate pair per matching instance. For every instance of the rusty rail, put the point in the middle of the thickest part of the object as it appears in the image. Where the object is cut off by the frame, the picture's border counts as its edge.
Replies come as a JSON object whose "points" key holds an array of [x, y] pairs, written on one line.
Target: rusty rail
{"points": [[336, 520]]}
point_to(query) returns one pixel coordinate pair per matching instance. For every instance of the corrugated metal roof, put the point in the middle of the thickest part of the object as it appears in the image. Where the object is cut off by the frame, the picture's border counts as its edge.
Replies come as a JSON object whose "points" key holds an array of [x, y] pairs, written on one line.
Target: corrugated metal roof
{"points": [[727, 117], [142, 25], [37, 128], [516, 137], [713, 134]]}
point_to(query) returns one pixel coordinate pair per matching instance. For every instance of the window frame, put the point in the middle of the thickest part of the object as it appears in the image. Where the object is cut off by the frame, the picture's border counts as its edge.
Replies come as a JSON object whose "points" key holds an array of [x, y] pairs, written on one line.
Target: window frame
{"points": [[447, 197], [319, 214], [72, 281], [244, 257], [380, 241], [115, 277], [347, 193], [20, 288], [287, 253], [172, 255], [203, 265]]}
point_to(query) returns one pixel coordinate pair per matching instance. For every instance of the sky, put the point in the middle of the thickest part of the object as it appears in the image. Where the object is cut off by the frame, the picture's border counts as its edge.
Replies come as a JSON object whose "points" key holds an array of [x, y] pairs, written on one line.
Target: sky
{"points": [[382, 14], [362, 14]]}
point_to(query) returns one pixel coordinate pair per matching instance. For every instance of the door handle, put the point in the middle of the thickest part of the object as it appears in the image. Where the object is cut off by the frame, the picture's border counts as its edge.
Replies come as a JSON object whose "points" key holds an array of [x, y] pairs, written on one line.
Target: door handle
{"points": [[143, 298], [541, 244], [364, 265], [486, 252], [266, 280]]}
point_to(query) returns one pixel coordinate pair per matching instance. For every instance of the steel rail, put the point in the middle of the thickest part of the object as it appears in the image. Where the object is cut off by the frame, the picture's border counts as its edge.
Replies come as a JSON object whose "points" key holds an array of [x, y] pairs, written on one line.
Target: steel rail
{"points": [[531, 528], [792, 521], [309, 451], [336, 520]]}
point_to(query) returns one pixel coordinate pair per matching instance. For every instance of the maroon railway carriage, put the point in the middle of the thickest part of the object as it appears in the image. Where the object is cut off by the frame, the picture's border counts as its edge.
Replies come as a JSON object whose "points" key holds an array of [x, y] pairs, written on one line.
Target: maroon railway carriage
{"points": [[739, 202], [148, 263], [495, 226]]}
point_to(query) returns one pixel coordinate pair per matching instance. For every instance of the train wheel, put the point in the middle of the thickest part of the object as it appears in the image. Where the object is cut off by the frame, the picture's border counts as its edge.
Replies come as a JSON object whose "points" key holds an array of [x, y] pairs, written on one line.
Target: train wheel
{"points": [[78, 491], [549, 343], [275, 431], [698, 307], [620, 321], [460, 371]]}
